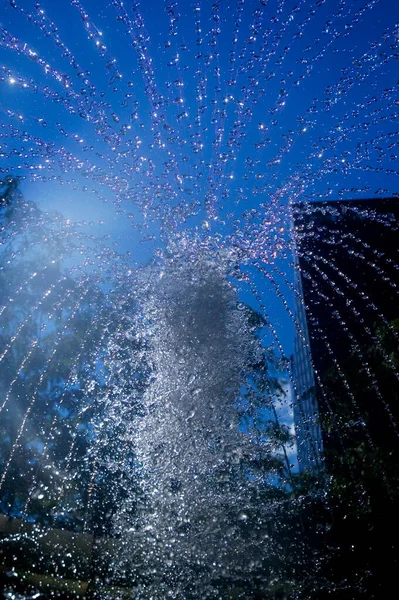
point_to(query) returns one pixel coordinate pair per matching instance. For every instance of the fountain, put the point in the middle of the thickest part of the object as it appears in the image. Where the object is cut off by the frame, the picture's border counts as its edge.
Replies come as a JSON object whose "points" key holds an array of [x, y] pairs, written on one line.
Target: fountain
{"points": [[185, 205]]}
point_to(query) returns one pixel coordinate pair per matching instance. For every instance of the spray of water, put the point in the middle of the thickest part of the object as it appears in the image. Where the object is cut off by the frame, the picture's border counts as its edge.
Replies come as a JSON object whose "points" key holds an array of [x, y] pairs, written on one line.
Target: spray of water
{"points": [[135, 400]]}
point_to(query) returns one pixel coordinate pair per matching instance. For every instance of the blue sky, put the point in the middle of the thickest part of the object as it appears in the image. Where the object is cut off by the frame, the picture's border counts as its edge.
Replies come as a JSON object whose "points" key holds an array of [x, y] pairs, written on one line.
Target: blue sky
{"points": [[205, 117]]}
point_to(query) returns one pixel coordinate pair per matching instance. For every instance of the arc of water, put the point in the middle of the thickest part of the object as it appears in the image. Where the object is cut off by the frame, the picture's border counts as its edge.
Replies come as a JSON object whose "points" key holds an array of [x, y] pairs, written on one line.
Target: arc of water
{"points": [[369, 5], [305, 342], [95, 34], [373, 265], [316, 453], [218, 118], [49, 28], [355, 405], [367, 329], [23, 285], [347, 387], [373, 379], [87, 169], [50, 434], [34, 346], [306, 173], [145, 65], [290, 187], [362, 294], [336, 315], [66, 101], [27, 319], [74, 437], [284, 150], [335, 35], [23, 324], [352, 399], [70, 161], [14, 43], [41, 379], [240, 123]]}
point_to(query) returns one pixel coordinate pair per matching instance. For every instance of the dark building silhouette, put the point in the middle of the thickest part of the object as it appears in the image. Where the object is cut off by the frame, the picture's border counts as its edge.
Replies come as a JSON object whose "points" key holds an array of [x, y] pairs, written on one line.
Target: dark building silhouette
{"points": [[346, 371], [347, 283]]}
